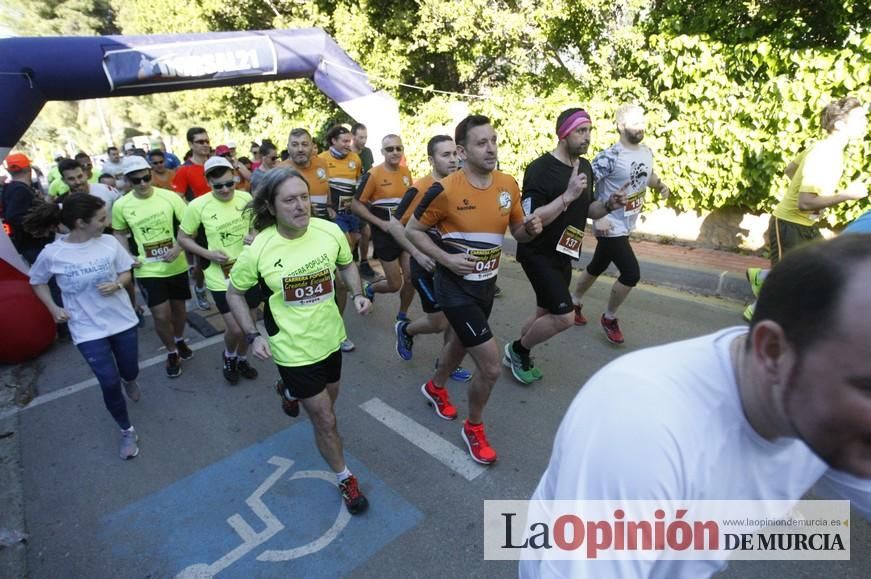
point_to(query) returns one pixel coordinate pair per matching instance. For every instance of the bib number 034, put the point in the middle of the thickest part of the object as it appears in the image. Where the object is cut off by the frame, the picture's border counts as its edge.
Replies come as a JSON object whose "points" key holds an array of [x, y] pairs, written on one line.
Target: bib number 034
{"points": [[307, 289]]}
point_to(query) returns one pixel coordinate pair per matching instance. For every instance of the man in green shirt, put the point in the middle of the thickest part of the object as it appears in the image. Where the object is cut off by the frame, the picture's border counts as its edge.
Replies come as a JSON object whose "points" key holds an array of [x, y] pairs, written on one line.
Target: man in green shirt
{"points": [[151, 216], [295, 259], [221, 214]]}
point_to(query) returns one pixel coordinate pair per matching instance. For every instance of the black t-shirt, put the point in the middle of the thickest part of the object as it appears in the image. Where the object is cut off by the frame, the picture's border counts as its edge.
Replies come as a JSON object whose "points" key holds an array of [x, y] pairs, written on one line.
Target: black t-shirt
{"points": [[17, 200], [545, 179]]}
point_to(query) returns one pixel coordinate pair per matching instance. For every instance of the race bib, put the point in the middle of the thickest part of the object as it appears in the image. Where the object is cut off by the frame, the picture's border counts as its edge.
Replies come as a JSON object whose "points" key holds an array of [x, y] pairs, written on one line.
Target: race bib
{"points": [[157, 250], [634, 203], [345, 203], [226, 267], [488, 265], [308, 289], [570, 242]]}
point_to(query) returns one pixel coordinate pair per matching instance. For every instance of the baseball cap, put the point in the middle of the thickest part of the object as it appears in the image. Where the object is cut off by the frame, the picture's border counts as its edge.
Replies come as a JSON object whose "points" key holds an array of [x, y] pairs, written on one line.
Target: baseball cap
{"points": [[221, 150], [214, 163], [17, 162], [231, 144], [129, 146], [135, 163]]}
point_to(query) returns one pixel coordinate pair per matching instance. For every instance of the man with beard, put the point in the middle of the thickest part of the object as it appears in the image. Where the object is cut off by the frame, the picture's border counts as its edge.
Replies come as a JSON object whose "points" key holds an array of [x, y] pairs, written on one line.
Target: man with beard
{"points": [[627, 166], [743, 414], [558, 188]]}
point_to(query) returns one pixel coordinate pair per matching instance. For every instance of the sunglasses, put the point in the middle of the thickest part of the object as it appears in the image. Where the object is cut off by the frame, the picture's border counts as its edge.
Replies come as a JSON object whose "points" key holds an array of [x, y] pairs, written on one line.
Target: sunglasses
{"points": [[391, 149], [201, 142], [138, 180], [224, 185]]}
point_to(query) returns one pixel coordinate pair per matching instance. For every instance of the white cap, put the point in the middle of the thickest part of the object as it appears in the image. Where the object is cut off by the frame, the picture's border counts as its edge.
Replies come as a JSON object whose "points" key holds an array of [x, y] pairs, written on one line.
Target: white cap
{"points": [[231, 144], [214, 163], [129, 146], [135, 163], [58, 154]]}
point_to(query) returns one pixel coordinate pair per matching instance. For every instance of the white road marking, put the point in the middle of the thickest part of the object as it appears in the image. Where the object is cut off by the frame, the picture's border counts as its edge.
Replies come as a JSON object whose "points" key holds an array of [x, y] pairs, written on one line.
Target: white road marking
{"points": [[425, 439]]}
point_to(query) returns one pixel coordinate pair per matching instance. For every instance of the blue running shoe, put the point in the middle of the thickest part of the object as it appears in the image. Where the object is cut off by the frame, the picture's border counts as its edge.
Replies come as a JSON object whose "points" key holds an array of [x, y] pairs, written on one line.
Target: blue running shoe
{"points": [[404, 342]]}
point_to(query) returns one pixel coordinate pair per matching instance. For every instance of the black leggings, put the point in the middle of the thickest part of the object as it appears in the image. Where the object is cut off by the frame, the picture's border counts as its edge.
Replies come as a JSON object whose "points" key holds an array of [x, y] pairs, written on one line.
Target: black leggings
{"points": [[618, 250]]}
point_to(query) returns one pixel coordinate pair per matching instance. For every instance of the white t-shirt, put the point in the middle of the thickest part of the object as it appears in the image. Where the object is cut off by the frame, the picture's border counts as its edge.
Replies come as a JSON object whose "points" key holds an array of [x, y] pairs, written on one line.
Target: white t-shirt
{"points": [[78, 268], [113, 169], [667, 423], [613, 168], [108, 194]]}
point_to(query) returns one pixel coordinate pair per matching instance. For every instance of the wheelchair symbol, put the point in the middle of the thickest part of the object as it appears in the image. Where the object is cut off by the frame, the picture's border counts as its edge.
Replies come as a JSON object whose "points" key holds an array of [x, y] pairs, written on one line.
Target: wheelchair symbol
{"points": [[252, 539]]}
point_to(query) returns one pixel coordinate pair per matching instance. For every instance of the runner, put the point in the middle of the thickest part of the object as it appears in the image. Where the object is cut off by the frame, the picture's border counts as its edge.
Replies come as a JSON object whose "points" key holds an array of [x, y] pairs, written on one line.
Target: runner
{"points": [[295, 258], [378, 195], [92, 270], [558, 188], [442, 153], [227, 231], [471, 209], [626, 165], [151, 216]]}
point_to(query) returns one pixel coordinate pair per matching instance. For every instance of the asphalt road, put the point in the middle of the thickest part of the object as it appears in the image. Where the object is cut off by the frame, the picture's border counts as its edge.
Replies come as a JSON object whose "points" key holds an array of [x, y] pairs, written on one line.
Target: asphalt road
{"points": [[225, 479]]}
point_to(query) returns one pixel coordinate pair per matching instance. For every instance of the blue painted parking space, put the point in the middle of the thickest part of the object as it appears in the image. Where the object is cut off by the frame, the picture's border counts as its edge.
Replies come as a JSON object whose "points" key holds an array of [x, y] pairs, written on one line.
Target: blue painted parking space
{"points": [[271, 510]]}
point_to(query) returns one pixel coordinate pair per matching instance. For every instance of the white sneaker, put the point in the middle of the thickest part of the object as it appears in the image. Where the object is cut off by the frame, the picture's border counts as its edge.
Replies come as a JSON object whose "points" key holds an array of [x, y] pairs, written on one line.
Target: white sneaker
{"points": [[348, 346], [129, 448]]}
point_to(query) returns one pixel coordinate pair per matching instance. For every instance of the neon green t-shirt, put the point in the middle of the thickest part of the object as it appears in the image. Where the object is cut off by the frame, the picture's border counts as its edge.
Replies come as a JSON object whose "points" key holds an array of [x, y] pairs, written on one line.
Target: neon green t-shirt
{"points": [[819, 171], [152, 222], [226, 228], [301, 315]]}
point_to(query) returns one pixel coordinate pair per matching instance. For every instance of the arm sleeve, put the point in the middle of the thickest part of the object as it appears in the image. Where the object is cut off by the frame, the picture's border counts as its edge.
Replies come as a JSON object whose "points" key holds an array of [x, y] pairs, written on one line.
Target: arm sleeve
{"points": [[516, 215], [429, 211], [603, 164], [244, 274], [191, 221], [816, 175], [40, 271], [533, 195], [345, 256], [123, 261], [365, 188], [118, 221], [405, 203], [179, 182]]}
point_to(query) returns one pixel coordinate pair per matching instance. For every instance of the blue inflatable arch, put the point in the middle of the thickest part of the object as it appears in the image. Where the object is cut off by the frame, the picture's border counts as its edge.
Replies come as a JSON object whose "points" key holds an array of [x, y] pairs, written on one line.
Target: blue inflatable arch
{"points": [[34, 71]]}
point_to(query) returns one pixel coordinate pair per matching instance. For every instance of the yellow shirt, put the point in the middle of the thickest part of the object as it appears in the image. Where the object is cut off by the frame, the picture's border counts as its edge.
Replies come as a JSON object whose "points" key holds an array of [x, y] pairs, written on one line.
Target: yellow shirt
{"points": [[819, 171]]}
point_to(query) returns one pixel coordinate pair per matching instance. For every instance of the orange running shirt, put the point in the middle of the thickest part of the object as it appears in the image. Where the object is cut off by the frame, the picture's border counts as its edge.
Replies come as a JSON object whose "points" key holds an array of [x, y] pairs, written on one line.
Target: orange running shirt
{"points": [[318, 183], [343, 175], [381, 189]]}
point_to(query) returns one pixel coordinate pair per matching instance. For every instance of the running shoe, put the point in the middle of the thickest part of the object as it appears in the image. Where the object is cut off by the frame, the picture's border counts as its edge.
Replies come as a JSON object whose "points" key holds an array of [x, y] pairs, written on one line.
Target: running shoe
{"points": [[129, 449], [131, 389], [439, 400], [402, 317], [173, 365], [347, 346], [354, 499], [476, 441], [521, 368], [580, 320], [140, 315], [369, 291], [184, 350], [404, 342], [612, 330], [754, 276], [202, 301], [749, 311], [366, 269], [246, 370], [461, 375], [230, 369], [289, 405]]}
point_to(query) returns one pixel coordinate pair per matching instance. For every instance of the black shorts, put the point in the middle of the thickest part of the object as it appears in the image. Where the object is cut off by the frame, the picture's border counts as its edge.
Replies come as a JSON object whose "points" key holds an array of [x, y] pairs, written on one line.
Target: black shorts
{"points": [[384, 246], [784, 236], [467, 306], [550, 277], [157, 290], [423, 282], [618, 250], [310, 380], [252, 297]]}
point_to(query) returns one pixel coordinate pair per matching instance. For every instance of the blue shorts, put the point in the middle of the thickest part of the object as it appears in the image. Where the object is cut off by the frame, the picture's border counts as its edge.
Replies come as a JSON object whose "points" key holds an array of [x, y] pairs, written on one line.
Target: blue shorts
{"points": [[348, 223]]}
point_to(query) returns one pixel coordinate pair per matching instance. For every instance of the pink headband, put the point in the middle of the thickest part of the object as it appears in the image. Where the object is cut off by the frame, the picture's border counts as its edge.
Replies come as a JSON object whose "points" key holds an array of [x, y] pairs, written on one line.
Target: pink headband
{"points": [[573, 122]]}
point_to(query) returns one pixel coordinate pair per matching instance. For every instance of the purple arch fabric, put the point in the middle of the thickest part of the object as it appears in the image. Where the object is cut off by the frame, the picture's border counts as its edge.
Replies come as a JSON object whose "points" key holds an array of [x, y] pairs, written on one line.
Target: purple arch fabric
{"points": [[36, 70]]}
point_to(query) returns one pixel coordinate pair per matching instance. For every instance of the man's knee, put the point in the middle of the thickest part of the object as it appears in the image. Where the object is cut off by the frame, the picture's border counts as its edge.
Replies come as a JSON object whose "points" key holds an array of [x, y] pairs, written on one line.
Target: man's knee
{"points": [[564, 321]]}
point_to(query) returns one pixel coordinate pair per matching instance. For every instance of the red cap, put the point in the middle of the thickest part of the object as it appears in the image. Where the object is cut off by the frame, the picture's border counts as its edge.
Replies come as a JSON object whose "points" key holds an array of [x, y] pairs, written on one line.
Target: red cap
{"points": [[17, 162], [221, 150]]}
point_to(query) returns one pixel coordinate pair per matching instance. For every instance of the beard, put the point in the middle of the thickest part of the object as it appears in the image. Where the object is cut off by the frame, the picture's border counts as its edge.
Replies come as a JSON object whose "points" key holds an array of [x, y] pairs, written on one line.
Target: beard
{"points": [[634, 136]]}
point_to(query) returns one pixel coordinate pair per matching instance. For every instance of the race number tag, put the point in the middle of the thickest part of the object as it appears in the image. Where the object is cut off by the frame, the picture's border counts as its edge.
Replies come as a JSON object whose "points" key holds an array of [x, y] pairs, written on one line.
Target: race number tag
{"points": [[345, 203], [308, 289], [157, 250], [487, 265], [634, 203], [226, 267], [570, 242]]}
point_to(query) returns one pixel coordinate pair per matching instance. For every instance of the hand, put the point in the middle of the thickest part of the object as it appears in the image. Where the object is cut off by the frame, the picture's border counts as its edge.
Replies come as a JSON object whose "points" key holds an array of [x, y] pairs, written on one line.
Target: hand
{"points": [[249, 239], [663, 191], [172, 254], [107, 288], [461, 263], [601, 227], [424, 261], [532, 224], [576, 187], [856, 190], [260, 348], [218, 256], [617, 199], [60, 315], [363, 305]]}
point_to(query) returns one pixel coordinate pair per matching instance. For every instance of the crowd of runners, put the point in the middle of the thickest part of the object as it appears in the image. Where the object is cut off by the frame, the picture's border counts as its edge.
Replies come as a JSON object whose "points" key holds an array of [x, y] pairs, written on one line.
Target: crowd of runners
{"points": [[290, 234]]}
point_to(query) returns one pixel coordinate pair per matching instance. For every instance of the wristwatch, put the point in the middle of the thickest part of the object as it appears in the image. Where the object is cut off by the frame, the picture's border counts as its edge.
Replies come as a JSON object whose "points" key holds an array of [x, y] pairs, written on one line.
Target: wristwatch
{"points": [[251, 337]]}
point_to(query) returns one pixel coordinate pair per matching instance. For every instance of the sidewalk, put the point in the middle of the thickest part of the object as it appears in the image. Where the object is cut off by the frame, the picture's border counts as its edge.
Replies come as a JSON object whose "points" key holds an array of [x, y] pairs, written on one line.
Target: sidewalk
{"points": [[709, 272]]}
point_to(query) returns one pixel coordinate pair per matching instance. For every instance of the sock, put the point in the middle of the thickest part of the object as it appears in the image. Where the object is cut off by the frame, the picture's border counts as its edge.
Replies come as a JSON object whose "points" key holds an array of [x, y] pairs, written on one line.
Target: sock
{"points": [[177, 340], [241, 358], [229, 354], [131, 429], [609, 315], [173, 351], [519, 349], [340, 476]]}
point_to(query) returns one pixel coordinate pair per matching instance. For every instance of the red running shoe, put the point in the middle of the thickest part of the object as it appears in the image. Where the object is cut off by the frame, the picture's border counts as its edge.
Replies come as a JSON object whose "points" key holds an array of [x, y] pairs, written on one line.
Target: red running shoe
{"points": [[354, 499], [438, 399], [476, 441], [612, 330], [289, 405], [580, 320]]}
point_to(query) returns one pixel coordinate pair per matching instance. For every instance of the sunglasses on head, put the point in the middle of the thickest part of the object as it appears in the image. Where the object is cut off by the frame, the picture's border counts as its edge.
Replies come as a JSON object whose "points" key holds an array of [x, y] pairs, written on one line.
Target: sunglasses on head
{"points": [[138, 180], [201, 142], [398, 149], [224, 185]]}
